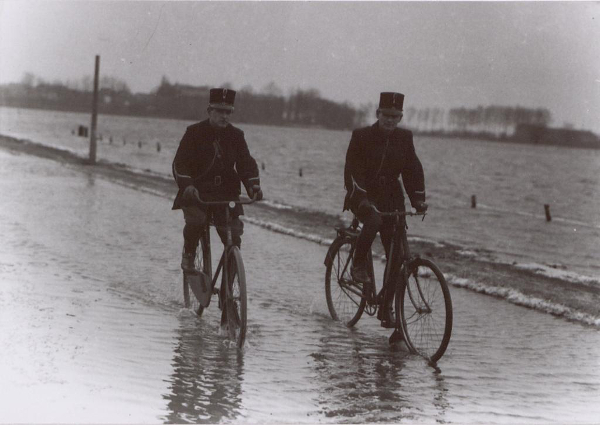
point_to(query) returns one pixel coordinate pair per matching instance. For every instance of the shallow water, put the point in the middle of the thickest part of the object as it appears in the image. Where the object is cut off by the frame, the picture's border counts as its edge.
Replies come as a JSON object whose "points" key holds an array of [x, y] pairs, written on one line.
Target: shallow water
{"points": [[512, 182], [93, 329]]}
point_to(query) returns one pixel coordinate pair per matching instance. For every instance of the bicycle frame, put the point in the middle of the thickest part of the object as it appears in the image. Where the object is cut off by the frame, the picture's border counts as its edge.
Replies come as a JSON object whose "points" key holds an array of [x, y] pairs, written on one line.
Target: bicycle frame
{"points": [[399, 240], [223, 262], [399, 237]]}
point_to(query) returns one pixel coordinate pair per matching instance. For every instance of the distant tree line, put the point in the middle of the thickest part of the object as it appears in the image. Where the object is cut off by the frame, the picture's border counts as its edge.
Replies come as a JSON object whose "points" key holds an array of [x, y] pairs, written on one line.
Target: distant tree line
{"points": [[269, 106], [491, 121]]}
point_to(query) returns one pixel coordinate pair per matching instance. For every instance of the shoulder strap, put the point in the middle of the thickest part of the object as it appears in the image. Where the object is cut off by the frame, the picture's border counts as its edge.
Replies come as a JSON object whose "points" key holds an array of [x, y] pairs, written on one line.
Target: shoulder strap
{"points": [[387, 142], [218, 149]]}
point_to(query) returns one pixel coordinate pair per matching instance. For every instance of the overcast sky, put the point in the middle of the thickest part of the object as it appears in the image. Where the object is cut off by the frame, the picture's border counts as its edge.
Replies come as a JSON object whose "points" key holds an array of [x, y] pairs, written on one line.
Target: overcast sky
{"points": [[446, 54]]}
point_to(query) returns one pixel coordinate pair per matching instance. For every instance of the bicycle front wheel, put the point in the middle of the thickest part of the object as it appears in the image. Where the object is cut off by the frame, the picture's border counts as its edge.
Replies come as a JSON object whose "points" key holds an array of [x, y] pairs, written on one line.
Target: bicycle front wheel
{"points": [[236, 301], [426, 309], [344, 296]]}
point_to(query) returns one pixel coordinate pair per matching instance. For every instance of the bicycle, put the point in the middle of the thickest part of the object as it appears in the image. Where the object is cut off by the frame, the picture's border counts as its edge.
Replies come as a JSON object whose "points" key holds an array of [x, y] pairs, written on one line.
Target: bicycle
{"points": [[201, 283], [416, 286]]}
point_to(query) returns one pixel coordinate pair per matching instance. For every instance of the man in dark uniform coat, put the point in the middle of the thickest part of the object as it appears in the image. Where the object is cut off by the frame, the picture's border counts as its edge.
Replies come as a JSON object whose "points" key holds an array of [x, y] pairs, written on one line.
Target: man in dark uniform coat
{"points": [[211, 161], [377, 156]]}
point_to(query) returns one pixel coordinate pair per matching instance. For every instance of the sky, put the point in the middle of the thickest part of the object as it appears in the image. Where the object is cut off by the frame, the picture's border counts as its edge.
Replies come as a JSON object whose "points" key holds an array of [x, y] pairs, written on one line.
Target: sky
{"points": [[439, 54]]}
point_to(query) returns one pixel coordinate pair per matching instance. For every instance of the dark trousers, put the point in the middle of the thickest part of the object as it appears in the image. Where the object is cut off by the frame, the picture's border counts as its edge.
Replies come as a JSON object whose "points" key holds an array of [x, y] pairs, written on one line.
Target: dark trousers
{"points": [[195, 222], [373, 223]]}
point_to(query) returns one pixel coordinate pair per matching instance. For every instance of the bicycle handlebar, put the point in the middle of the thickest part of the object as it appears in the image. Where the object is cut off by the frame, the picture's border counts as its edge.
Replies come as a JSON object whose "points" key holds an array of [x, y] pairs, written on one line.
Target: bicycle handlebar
{"points": [[242, 201]]}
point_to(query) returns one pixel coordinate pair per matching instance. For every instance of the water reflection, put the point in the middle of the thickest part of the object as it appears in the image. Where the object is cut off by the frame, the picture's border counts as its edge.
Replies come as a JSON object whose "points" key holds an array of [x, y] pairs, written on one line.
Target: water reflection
{"points": [[207, 377], [355, 383], [90, 179], [361, 379], [440, 397]]}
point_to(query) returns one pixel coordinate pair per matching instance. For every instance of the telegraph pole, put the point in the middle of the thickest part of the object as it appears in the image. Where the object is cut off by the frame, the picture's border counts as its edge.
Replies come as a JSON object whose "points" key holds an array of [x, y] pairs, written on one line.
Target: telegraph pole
{"points": [[92, 159]]}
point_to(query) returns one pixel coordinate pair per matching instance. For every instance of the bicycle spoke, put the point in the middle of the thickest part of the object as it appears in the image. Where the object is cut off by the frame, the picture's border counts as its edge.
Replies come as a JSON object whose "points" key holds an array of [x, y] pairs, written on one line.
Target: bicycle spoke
{"points": [[235, 300]]}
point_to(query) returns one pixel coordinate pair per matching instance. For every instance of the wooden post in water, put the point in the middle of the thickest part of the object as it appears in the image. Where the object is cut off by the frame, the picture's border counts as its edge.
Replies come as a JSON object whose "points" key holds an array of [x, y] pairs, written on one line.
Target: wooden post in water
{"points": [[547, 210], [92, 159], [473, 201]]}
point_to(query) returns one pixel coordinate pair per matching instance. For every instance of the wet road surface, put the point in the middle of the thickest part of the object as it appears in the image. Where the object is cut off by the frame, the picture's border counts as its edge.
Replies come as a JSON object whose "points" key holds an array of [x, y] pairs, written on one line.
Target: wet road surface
{"points": [[93, 329]]}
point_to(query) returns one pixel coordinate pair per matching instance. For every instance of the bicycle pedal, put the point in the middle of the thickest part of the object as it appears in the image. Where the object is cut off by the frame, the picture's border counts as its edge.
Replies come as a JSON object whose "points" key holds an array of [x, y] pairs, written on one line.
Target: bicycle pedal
{"points": [[370, 309]]}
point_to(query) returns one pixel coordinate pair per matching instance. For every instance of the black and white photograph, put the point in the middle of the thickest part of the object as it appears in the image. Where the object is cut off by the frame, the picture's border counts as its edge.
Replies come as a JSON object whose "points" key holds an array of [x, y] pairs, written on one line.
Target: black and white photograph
{"points": [[299, 212]]}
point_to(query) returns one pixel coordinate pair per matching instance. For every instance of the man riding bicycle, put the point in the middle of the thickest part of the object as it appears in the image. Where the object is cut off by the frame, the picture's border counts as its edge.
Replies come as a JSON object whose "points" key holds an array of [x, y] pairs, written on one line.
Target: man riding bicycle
{"points": [[377, 156], [211, 161]]}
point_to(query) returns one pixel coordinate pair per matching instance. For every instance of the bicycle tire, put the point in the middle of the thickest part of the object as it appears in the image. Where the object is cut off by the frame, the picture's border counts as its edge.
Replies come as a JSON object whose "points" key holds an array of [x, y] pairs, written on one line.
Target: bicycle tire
{"points": [[200, 263], [426, 309], [236, 300], [345, 299]]}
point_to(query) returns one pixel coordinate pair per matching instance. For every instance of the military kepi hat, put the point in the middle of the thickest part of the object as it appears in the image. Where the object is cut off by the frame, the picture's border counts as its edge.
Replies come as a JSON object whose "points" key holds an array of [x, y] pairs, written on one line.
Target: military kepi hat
{"points": [[221, 98], [391, 103]]}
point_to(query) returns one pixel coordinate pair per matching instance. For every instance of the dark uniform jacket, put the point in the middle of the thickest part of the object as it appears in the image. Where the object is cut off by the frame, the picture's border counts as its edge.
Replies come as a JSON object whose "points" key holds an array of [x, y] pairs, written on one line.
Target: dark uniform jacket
{"points": [[374, 164], [214, 161]]}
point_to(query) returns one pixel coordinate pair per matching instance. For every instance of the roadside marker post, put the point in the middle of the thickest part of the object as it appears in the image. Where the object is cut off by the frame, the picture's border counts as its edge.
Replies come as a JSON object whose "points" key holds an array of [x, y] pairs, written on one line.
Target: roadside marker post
{"points": [[547, 211], [92, 159]]}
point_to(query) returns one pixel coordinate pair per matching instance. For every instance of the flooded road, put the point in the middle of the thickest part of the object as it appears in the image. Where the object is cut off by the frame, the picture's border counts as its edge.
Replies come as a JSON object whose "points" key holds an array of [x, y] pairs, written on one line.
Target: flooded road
{"points": [[92, 329]]}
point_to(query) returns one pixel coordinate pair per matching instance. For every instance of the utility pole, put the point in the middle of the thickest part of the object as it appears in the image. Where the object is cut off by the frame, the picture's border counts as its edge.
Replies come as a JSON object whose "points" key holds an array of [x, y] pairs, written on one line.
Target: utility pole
{"points": [[92, 159]]}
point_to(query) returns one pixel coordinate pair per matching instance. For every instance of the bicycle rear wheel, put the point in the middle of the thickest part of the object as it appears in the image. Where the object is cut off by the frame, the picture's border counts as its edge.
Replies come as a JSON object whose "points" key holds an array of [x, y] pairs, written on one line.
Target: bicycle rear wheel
{"points": [[201, 263], [236, 301], [426, 309], [344, 296]]}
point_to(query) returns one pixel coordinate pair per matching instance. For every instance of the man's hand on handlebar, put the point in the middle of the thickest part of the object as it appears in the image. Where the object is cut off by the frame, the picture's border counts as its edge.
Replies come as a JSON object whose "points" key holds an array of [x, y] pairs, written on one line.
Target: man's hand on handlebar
{"points": [[420, 206], [190, 195], [255, 191]]}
